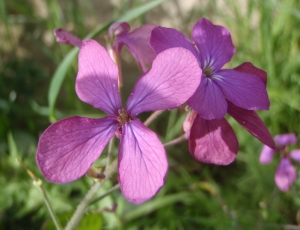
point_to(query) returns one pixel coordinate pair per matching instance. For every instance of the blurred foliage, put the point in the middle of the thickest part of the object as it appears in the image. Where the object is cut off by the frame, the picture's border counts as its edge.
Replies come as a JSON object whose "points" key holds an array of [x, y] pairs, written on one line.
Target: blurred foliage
{"points": [[242, 195]]}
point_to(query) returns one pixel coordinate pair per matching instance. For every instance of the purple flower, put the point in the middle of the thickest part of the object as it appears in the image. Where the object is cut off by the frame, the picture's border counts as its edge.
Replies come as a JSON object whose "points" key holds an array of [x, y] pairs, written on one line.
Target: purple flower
{"points": [[285, 173], [65, 37], [213, 48], [69, 147]]}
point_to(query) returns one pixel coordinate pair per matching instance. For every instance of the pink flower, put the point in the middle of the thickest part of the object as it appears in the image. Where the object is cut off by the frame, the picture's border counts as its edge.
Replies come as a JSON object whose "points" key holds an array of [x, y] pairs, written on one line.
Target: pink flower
{"points": [[69, 147], [286, 173]]}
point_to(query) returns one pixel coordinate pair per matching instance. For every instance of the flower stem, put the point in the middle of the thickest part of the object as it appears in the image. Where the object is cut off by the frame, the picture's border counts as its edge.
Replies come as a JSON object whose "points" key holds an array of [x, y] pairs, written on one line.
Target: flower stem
{"points": [[81, 208], [152, 117], [116, 187], [175, 141]]}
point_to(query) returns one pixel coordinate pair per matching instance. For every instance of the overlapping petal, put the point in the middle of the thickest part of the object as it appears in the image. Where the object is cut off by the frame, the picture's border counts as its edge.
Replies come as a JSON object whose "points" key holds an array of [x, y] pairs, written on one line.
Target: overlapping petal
{"points": [[242, 89], [286, 139], [248, 67], [142, 162], [69, 147], [118, 29], [295, 154], [97, 78], [170, 82], [213, 141], [266, 155], [285, 174], [65, 37], [208, 100], [214, 44]]}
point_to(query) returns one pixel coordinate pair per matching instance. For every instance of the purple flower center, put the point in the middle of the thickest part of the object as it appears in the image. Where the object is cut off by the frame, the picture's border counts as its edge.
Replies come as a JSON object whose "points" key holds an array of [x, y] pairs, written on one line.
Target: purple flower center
{"points": [[124, 116]]}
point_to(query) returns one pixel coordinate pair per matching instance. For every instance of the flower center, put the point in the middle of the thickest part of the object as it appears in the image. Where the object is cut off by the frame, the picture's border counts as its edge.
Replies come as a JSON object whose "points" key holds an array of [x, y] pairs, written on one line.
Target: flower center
{"points": [[207, 71], [123, 116]]}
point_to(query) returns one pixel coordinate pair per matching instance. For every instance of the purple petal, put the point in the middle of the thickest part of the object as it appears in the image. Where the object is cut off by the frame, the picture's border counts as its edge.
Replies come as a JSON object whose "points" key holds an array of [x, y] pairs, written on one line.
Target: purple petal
{"points": [[170, 82], [266, 155], [138, 43], [248, 67], [208, 100], [97, 78], [165, 38], [118, 29], [252, 123], [65, 37], [213, 141], [285, 174], [286, 139], [295, 154], [242, 89], [69, 147], [142, 162], [214, 43]]}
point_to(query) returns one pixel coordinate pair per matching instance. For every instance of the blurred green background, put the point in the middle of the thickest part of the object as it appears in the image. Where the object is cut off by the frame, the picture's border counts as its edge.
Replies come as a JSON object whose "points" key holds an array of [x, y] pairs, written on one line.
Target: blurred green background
{"points": [[37, 87]]}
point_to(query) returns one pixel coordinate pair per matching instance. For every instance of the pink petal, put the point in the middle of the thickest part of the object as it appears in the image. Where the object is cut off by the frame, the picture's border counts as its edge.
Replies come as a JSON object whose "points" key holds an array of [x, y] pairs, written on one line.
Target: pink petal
{"points": [[208, 100], [214, 43], [170, 82], [252, 123], [97, 78], [295, 154], [213, 141], [165, 38], [266, 155], [188, 122], [65, 37], [247, 67], [69, 147], [138, 43], [285, 174], [118, 29], [142, 162], [286, 139], [242, 89]]}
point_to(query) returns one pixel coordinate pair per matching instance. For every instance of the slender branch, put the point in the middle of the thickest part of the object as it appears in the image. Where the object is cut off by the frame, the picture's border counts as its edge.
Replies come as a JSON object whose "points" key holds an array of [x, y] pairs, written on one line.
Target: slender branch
{"points": [[81, 208], [116, 187], [152, 117], [175, 141]]}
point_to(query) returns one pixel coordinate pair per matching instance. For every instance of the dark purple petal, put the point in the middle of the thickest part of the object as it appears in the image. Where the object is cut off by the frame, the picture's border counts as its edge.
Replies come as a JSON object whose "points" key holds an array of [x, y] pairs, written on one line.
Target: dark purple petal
{"points": [[285, 174], [214, 43], [170, 82], [286, 139], [252, 123], [242, 89], [208, 100], [266, 155], [138, 43], [142, 162], [118, 29], [213, 141], [165, 38], [248, 67], [65, 37], [69, 147], [97, 78], [295, 154]]}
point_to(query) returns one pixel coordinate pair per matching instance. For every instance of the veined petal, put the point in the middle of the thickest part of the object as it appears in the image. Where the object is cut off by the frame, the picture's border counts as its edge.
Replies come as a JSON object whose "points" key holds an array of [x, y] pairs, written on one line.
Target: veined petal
{"points": [[165, 38], [286, 139], [69, 147], [65, 37], [295, 154], [266, 155], [214, 44], [208, 100], [252, 123], [285, 174], [213, 141], [170, 82], [242, 89], [248, 67], [97, 78], [142, 162]]}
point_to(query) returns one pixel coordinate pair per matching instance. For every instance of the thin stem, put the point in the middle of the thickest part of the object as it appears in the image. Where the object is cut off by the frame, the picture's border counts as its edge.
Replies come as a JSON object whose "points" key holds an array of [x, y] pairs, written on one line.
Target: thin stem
{"points": [[175, 141], [116, 187], [110, 148], [81, 208], [152, 117]]}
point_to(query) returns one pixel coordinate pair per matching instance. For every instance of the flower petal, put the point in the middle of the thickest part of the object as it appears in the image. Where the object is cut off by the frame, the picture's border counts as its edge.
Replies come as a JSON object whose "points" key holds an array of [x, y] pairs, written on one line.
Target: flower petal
{"points": [[69, 147], [118, 29], [188, 122], [214, 43], [286, 139], [138, 43], [285, 174], [295, 154], [266, 155], [252, 123], [97, 78], [142, 162], [208, 100], [65, 37], [242, 89], [165, 38], [213, 141], [248, 67], [170, 82]]}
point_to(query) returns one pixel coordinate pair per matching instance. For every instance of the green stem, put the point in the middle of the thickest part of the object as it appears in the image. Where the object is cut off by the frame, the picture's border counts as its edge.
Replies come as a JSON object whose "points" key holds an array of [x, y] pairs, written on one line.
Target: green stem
{"points": [[152, 117], [116, 187], [175, 141]]}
